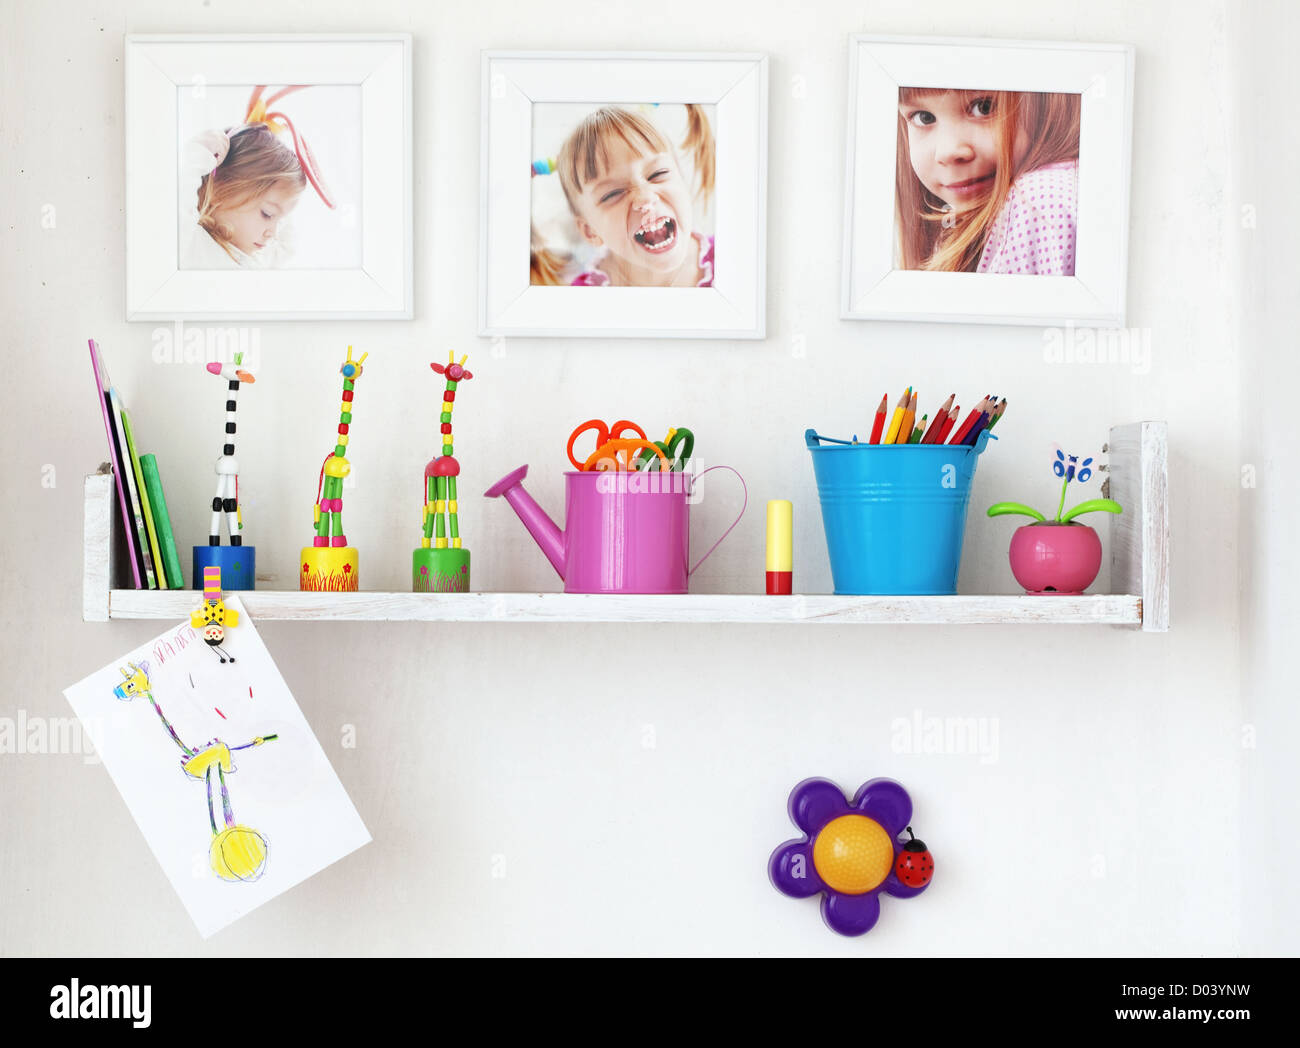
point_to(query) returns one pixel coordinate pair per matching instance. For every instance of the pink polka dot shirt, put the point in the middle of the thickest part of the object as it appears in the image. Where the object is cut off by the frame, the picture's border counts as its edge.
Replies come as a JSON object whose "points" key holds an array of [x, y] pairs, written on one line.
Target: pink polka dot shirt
{"points": [[1035, 231]]}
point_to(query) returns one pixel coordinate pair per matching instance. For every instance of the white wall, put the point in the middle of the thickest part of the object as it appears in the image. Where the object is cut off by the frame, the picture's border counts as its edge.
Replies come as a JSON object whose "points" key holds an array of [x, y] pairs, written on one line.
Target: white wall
{"points": [[1118, 757], [1261, 37]]}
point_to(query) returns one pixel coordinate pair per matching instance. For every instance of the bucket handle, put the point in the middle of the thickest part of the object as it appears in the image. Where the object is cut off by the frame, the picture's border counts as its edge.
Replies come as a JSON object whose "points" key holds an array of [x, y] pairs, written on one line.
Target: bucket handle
{"points": [[977, 449], [814, 440], [745, 487]]}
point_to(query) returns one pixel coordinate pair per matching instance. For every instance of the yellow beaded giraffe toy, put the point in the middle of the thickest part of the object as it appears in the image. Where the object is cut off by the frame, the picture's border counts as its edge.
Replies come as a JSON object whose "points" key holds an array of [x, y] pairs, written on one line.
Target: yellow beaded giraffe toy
{"points": [[441, 564], [329, 563]]}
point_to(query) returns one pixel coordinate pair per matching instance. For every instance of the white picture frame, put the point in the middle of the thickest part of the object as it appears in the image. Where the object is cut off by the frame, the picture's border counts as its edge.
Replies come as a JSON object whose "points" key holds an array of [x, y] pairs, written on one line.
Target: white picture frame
{"points": [[736, 84], [158, 67], [1102, 74]]}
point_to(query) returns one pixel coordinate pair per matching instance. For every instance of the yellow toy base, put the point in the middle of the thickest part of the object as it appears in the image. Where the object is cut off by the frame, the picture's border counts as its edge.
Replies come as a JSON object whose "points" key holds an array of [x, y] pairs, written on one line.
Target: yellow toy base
{"points": [[332, 569]]}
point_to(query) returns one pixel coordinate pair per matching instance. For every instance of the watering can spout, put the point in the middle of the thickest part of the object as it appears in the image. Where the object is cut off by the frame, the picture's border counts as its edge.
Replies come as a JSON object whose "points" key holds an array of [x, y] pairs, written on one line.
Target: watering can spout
{"points": [[543, 530]]}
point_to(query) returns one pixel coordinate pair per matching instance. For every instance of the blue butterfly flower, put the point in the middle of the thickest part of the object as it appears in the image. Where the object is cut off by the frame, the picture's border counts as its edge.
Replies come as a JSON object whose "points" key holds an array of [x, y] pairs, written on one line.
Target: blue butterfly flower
{"points": [[1067, 466]]}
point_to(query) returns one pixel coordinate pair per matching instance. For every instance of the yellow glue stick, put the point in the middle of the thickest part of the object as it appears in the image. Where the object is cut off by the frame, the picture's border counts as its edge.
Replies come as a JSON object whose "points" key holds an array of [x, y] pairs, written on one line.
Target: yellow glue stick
{"points": [[780, 546]]}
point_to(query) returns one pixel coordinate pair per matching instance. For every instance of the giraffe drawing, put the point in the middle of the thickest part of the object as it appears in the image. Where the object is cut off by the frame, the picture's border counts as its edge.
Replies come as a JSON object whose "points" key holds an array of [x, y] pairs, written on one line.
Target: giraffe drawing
{"points": [[329, 563], [441, 564], [237, 852], [237, 562]]}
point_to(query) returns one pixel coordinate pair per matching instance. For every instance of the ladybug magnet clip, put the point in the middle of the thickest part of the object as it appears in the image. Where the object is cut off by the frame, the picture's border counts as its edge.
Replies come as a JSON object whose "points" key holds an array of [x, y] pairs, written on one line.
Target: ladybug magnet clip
{"points": [[915, 864]]}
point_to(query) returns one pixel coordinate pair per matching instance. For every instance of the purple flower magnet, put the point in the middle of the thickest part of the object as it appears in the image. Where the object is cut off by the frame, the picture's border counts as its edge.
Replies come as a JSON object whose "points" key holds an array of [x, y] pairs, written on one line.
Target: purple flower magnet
{"points": [[851, 851]]}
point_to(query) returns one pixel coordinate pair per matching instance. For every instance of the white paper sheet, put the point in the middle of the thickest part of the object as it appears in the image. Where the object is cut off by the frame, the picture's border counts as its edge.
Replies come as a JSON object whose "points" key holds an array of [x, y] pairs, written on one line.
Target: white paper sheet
{"points": [[282, 792]]}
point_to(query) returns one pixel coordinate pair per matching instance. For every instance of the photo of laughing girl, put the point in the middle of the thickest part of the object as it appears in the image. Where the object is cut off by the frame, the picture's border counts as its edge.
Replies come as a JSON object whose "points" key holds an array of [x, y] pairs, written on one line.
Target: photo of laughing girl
{"points": [[632, 211]]}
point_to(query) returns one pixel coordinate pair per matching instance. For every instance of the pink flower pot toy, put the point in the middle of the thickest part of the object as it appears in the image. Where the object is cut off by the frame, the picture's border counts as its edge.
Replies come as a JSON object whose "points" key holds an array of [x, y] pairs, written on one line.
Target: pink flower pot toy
{"points": [[1057, 556]]}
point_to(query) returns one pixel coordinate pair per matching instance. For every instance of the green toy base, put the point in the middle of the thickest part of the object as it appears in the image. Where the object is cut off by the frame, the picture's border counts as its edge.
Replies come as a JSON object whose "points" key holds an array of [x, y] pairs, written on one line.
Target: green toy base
{"points": [[440, 571]]}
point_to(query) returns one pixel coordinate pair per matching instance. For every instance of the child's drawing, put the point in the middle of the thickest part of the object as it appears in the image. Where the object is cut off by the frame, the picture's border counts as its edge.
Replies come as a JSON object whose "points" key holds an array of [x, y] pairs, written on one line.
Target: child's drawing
{"points": [[266, 777], [237, 853]]}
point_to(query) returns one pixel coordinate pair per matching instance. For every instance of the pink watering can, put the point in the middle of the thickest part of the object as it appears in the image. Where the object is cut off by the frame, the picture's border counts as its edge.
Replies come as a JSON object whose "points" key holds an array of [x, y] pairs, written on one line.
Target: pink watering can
{"points": [[625, 532]]}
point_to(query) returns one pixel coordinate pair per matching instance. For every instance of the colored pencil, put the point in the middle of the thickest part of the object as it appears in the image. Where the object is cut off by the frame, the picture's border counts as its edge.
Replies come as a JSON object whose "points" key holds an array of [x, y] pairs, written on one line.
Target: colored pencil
{"points": [[981, 424], [919, 432], [981, 420], [932, 434], [904, 435], [960, 436], [937, 424], [894, 423], [948, 423], [997, 413], [987, 421], [878, 426]]}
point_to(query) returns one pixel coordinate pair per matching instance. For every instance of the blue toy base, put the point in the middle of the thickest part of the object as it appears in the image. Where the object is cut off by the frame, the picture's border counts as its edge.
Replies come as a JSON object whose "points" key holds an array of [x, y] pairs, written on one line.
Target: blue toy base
{"points": [[238, 566]]}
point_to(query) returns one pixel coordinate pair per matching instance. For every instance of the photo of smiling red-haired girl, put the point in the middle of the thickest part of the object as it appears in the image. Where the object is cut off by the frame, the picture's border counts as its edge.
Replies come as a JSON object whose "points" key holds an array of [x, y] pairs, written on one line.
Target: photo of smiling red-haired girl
{"points": [[625, 201], [987, 181]]}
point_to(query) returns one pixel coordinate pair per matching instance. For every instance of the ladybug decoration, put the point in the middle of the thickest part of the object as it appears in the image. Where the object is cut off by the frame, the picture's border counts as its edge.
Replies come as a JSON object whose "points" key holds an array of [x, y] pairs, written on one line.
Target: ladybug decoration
{"points": [[915, 865]]}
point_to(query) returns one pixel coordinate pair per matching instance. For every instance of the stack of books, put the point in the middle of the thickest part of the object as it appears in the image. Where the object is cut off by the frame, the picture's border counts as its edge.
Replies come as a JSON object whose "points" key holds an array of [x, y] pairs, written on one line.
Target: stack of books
{"points": [[154, 563]]}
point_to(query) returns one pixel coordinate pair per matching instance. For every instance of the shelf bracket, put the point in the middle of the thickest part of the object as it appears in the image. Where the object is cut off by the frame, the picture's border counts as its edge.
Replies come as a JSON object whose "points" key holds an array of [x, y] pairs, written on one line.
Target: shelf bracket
{"points": [[1139, 537], [99, 555]]}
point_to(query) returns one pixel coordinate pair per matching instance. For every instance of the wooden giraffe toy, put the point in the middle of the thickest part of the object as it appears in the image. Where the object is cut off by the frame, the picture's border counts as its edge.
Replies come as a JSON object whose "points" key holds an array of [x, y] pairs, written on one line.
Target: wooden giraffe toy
{"points": [[238, 563], [237, 852], [329, 563], [441, 564]]}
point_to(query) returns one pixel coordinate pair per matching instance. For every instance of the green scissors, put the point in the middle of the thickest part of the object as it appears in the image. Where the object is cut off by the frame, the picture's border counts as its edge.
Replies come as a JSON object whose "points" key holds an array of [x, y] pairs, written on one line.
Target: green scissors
{"points": [[681, 438]]}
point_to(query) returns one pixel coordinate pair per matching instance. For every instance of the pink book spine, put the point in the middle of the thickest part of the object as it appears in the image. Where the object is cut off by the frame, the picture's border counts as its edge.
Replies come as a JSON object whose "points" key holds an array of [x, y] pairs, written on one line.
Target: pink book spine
{"points": [[101, 388]]}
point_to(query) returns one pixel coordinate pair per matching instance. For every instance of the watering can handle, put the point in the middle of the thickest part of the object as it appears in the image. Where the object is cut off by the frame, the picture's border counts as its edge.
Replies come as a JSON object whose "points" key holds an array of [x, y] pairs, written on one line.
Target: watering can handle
{"points": [[745, 487]]}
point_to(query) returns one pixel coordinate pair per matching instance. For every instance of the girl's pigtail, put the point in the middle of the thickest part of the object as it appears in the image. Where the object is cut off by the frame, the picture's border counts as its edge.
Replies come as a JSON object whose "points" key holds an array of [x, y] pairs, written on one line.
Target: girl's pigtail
{"points": [[544, 265], [699, 143]]}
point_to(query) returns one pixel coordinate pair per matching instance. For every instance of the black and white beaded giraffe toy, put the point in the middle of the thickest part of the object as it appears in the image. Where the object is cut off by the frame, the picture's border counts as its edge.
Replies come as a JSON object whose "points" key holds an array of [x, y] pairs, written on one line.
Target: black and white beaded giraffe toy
{"points": [[238, 563]]}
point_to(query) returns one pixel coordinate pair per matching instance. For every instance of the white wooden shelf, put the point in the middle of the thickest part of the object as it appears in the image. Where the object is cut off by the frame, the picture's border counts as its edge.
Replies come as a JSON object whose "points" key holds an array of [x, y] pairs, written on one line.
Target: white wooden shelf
{"points": [[694, 608], [1139, 541]]}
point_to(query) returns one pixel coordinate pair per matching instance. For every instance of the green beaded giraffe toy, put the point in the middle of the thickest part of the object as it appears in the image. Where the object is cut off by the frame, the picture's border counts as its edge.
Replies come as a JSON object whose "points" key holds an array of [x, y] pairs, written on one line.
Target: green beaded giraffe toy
{"points": [[441, 564], [329, 563]]}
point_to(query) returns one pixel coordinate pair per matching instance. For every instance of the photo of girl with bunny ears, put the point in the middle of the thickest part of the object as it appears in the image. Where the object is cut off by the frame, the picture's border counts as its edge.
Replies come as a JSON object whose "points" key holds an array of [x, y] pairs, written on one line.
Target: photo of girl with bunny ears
{"points": [[254, 195], [986, 181], [625, 201]]}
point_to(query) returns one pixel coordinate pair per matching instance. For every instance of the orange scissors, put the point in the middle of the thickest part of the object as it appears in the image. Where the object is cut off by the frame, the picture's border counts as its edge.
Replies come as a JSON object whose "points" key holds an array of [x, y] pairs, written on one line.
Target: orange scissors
{"points": [[604, 434], [606, 457]]}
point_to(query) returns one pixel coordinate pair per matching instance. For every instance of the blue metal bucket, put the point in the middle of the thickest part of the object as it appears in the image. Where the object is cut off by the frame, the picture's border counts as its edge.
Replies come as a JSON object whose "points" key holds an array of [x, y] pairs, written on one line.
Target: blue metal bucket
{"points": [[895, 514]]}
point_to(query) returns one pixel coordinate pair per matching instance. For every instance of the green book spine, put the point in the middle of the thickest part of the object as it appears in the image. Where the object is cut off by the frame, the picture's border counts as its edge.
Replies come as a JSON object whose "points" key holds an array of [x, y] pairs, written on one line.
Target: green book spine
{"points": [[151, 536], [162, 522], [137, 508]]}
